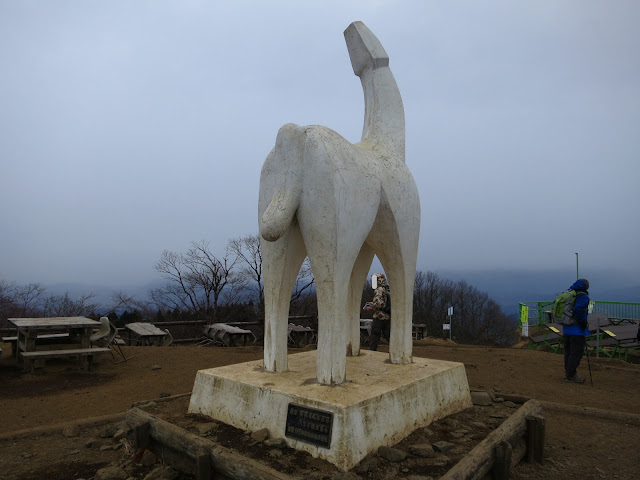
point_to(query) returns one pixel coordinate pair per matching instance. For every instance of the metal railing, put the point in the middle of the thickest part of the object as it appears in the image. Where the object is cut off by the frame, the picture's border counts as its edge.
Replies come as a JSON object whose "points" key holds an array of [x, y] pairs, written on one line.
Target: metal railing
{"points": [[535, 311]]}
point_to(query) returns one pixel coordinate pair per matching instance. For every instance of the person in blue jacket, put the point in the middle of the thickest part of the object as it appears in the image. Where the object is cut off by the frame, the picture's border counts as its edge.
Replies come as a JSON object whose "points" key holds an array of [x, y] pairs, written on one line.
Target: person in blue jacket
{"points": [[575, 334]]}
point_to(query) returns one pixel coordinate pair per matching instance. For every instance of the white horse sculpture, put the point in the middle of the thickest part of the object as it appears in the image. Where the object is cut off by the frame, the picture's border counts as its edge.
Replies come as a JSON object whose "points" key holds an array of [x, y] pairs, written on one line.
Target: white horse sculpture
{"points": [[341, 203]]}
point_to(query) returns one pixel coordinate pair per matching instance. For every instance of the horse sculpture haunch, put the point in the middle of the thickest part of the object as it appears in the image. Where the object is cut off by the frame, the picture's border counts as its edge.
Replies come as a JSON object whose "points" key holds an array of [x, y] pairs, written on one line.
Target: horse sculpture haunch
{"points": [[341, 203]]}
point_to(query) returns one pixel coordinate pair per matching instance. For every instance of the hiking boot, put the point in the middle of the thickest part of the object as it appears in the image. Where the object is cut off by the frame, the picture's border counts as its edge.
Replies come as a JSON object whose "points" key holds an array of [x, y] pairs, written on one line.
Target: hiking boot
{"points": [[575, 379]]}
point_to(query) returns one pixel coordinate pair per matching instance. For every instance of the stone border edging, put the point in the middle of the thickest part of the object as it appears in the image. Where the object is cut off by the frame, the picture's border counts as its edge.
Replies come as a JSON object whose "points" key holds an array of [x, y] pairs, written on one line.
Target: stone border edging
{"points": [[44, 429], [615, 415], [84, 422]]}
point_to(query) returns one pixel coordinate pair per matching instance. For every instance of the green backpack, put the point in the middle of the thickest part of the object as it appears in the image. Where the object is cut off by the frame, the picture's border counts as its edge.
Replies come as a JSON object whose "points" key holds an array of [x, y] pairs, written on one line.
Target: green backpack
{"points": [[563, 308]]}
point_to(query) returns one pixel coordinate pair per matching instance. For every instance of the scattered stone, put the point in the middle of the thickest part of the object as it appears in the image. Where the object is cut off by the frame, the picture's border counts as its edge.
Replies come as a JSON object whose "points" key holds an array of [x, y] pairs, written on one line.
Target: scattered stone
{"points": [[456, 434], [443, 446], [479, 424], [275, 453], [206, 428], [367, 464], [391, 454], [346, 476], [451, 422], [120, 434], [423, 450], [494, 397], [162, 472], [74, 452], [148, 458], [481, 399], [165, 395], [92, 443], [71, 431], [498, 415], [260, 435], [441, 462], [109, 431], [275, 442], [427, 431], [156, 367], [104, 448], [510, 404], [405, 470], [112, 472]]}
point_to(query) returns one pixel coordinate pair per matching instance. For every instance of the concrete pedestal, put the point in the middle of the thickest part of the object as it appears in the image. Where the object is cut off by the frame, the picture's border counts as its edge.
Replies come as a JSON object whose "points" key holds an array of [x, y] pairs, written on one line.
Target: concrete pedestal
{"points": [[380, 404]]}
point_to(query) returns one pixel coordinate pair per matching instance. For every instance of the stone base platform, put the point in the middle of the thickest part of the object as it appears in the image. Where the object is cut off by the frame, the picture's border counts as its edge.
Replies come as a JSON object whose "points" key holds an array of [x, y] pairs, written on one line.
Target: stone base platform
{"points": [[380, 404]]}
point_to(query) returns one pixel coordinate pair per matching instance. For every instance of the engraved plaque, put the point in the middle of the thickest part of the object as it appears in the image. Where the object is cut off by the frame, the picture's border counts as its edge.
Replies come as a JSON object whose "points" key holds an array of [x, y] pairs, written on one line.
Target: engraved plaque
{"points": [[309, 425]]}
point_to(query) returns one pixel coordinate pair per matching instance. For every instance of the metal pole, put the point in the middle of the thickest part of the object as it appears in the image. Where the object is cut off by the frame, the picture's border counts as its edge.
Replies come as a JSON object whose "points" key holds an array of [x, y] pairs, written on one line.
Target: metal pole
{"points": [[450, 327], [577, 268]]}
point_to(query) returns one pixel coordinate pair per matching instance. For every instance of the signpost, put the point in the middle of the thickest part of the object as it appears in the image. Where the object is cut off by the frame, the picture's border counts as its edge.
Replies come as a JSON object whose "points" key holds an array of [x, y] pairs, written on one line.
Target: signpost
{"points": [[524, 320], [447, 326]]}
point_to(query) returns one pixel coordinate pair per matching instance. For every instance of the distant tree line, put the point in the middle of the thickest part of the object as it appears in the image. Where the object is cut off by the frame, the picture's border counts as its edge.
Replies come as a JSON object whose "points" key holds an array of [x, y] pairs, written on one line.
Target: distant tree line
{"points": [[477, 318], [229, 288]]}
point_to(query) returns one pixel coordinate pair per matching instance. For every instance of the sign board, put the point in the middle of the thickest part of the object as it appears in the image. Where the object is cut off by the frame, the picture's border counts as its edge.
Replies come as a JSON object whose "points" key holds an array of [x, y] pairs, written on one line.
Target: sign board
{"points": [[450, 311], [446, 326], [524, 319], [309, 425]]}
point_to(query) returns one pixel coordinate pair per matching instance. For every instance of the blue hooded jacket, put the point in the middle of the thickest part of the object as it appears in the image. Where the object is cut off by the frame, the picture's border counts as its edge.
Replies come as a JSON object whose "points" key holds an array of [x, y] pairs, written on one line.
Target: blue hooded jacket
{"points": [[580, 310]]}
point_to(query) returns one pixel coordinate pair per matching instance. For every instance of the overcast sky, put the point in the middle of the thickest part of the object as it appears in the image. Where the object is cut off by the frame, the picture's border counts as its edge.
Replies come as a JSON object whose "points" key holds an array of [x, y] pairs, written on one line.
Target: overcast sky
{"points": [[131, 127]]}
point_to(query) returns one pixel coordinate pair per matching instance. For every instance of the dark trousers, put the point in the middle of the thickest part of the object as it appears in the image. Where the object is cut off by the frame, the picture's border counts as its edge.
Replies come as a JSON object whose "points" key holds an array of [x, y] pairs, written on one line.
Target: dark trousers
{"points": [[378, 328], [573, 350]]}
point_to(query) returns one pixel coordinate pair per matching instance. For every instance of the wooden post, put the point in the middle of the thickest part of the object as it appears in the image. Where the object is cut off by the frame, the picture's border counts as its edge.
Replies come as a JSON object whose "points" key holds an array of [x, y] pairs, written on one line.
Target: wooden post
{"points": [[203, 465], [142, 435], [531, 444], [502, 465], [540, 429]]}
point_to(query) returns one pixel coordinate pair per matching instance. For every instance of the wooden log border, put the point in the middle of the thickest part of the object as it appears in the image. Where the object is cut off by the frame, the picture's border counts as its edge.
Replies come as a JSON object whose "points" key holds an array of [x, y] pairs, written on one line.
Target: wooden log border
{"points": [[503, 447], [194, 454]]}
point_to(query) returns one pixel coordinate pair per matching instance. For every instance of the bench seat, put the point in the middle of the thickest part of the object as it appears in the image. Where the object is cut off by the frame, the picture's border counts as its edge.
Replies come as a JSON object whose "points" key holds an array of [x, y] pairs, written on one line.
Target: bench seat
{"points": [[33, 360], [63, 353]]}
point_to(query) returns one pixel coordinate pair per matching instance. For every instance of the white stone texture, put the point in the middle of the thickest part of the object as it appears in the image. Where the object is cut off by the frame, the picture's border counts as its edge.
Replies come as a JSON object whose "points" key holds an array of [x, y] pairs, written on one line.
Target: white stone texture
{"points": [[341, 203], [380, 405]]}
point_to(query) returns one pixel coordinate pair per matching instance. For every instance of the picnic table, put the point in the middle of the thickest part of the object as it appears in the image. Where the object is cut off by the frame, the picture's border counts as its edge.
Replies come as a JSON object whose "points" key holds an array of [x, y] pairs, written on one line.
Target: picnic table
{"points": [[622, 338], [145, 334], [419, 331], [299, 335], [75, 337], [228, 335], [365, 330]]}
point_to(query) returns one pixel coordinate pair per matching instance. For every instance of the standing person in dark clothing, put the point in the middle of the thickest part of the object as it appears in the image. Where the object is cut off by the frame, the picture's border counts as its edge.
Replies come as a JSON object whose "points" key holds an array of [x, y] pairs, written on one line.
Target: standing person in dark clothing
{"points": [[382, 312], [575, 334]]}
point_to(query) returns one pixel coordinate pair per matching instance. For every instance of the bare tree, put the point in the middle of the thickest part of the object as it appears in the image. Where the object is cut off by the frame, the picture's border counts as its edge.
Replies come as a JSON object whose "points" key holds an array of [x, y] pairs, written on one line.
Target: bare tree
{"points": [[28, 298], [65, 306], [477, 319], [247, 251], [195, 279], [121, 300], [7, 301], [304, 281]]}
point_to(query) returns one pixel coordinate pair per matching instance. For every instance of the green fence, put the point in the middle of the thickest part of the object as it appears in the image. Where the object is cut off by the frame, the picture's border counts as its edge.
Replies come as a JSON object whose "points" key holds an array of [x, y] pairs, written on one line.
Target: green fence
{"points": [[533, 312]]}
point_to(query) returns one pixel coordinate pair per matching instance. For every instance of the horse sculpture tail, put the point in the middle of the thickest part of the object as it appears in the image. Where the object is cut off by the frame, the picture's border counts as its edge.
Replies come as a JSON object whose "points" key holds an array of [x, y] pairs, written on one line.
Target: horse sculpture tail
{"points": [[383, 108], [281, 183]]}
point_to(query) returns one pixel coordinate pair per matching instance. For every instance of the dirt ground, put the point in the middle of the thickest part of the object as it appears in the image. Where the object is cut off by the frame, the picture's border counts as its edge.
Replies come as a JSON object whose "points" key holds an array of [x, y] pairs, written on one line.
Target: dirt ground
{"points": [[578, 446]]}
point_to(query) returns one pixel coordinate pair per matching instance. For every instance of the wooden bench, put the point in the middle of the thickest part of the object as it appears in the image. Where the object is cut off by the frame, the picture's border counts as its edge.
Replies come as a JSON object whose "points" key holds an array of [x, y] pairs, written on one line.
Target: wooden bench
{"points": [[46, 339], [33, 360]]}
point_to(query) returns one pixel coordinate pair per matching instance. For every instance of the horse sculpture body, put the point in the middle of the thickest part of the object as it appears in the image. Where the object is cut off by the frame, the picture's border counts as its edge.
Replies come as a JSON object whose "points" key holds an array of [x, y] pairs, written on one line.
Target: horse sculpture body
{"points": [[340, 204]]}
